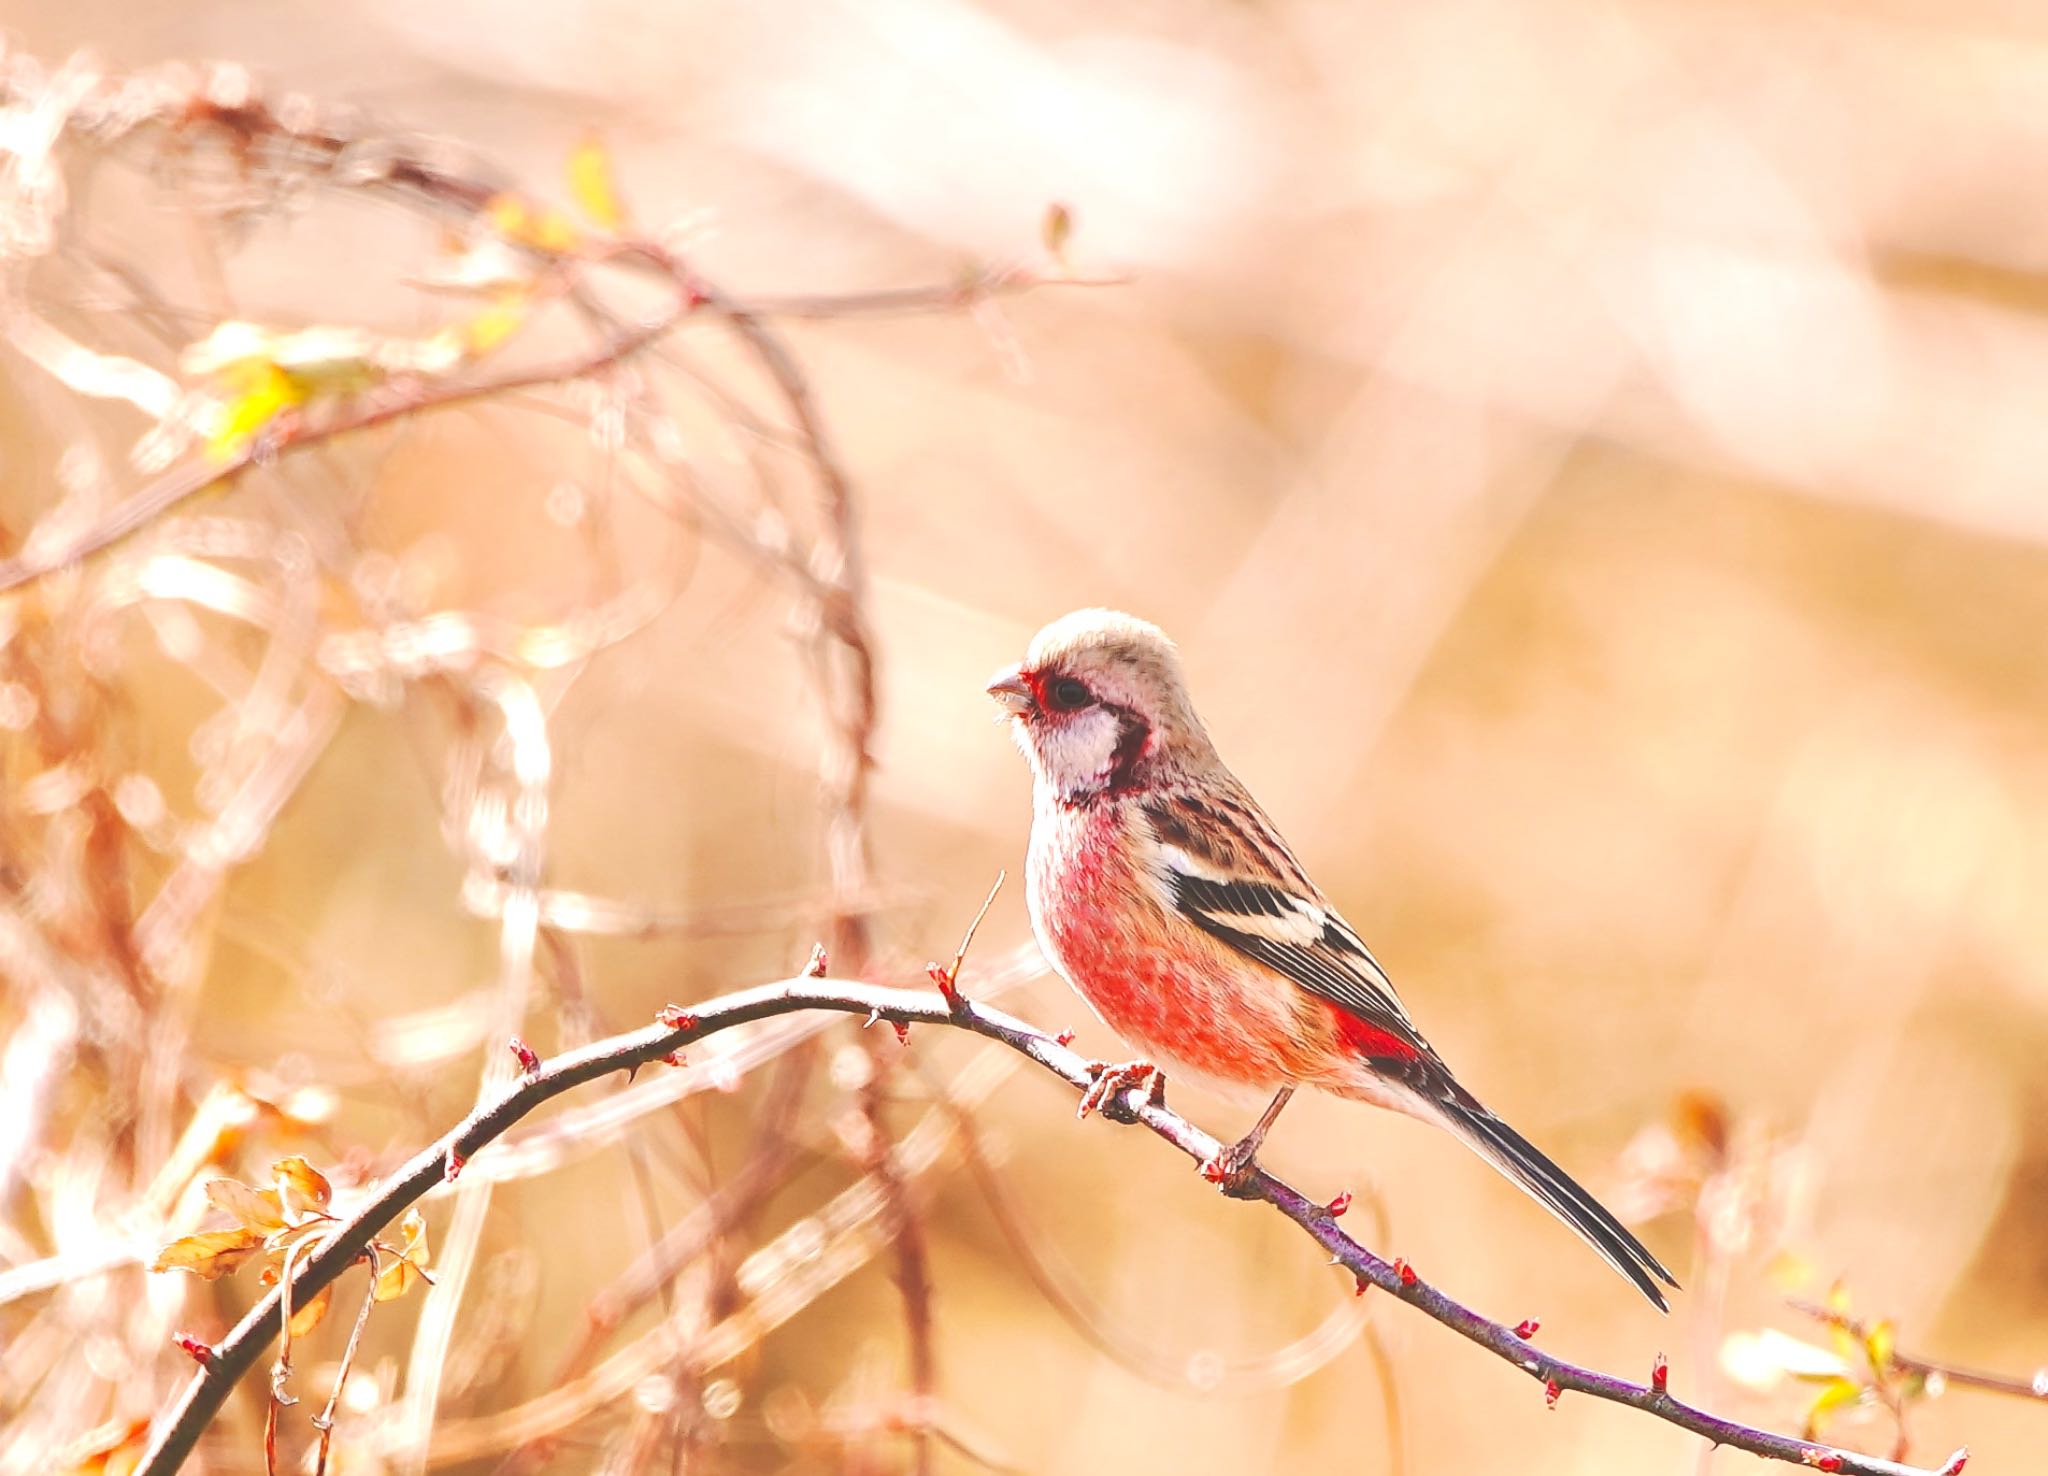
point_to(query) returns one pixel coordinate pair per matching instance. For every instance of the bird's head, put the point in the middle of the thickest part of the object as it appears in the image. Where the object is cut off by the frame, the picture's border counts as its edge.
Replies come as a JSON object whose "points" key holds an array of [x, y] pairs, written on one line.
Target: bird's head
{"points": [[1098, 703]]}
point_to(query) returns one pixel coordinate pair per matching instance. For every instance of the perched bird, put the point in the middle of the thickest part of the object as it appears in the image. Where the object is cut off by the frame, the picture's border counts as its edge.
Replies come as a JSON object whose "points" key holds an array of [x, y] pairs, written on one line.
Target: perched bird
{"points": [[1163, 894]]}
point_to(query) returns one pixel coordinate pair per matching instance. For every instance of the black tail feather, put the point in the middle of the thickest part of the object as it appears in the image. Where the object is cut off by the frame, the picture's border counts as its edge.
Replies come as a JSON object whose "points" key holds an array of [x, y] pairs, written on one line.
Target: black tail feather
{"points": [[1520, 1160]]}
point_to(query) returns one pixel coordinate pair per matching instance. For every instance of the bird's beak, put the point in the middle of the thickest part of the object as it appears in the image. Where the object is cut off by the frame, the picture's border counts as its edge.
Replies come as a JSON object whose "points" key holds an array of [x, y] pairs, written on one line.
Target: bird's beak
{"points": [[1009, 688]]}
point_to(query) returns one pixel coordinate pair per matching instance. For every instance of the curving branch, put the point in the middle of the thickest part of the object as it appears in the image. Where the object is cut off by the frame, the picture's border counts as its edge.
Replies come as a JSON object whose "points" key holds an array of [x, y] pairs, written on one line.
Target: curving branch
{"points": [[225, 1365]]}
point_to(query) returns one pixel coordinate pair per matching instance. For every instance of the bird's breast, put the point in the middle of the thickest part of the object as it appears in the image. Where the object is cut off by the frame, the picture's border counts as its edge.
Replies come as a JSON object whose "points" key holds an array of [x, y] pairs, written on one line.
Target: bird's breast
{"points": [[1166, 989]]}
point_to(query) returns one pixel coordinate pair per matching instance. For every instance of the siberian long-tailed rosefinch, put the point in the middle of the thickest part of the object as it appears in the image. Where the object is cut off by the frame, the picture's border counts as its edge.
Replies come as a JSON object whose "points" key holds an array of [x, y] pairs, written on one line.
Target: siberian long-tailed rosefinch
{"points": [[1164, 895]]}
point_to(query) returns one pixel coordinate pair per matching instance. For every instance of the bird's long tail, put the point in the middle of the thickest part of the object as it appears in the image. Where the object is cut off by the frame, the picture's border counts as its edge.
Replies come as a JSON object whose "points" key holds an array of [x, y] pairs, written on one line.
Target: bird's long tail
{"points": [[1520, 1160]]}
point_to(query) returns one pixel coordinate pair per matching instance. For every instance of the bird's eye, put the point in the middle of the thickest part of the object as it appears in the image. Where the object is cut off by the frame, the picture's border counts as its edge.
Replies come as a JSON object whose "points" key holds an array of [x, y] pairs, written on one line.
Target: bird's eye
{"points": [[1064, 694]]}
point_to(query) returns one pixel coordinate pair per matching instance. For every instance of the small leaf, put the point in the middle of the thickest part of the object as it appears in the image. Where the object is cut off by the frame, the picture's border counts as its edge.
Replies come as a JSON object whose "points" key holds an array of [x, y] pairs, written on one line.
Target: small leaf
{"points": [[303, 1188], [555, 232], [495, 323], [593, 185], [545, 229], [1837, 1394], [409, 1263], [210, 1254], [306, 1316], [257, 393], [1879, 1345], [253, 1209], [509, 215]]}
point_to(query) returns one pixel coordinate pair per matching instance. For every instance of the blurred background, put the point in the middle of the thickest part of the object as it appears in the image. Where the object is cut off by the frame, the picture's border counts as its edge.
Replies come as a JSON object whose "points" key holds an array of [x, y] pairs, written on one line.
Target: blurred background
{"points": [[1591, 456]]}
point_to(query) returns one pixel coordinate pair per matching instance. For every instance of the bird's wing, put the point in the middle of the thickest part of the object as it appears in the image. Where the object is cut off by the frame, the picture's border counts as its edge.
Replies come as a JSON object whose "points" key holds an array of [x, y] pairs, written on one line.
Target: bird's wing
{"points": [[1221, 866]]}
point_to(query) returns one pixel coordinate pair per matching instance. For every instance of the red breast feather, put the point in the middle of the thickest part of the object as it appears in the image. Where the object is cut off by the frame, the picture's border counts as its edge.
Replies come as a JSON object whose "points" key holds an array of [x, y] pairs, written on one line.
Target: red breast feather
{"points": [[1168, 990]]}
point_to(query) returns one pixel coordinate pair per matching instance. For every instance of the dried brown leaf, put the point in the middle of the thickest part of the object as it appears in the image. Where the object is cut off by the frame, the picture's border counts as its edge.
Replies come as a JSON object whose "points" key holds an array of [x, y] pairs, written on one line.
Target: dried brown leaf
{"points": [[303, 1188], [211, 1254], [409, 1261], [252, 1209]]}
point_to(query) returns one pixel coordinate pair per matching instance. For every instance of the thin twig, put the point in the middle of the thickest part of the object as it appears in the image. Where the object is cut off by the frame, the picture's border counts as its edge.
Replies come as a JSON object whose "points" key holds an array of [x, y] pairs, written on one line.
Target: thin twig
{"points": [[970, 290], [186, 482]]}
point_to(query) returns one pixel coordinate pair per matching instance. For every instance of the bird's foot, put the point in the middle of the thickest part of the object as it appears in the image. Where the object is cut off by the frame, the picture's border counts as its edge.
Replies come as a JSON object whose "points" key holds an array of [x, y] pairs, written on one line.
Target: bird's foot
{"points": [[1106, 1095], [1232, 1168]]}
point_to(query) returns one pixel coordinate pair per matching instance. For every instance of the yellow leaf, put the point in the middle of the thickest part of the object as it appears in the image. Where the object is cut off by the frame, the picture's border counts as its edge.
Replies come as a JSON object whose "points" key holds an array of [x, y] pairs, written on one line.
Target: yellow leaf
{"points": [[210, 1254], [555, 232], [495, 323], [1880, 1345], [301, 1186], [545, 229], [253, 1209], [593, 185], [508, 215], [1838, 1394], [306, 1316], [258, 391], [409, 1263]]}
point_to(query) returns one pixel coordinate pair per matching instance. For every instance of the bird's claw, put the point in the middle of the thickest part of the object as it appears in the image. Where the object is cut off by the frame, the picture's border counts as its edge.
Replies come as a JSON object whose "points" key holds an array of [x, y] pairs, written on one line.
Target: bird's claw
{"points": [[1106, 1094], [1232, 1168]]}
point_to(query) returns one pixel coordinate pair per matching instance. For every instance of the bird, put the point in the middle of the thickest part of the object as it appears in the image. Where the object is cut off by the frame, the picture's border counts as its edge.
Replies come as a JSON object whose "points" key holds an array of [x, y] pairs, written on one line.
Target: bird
{"points": [[1159, 889]]}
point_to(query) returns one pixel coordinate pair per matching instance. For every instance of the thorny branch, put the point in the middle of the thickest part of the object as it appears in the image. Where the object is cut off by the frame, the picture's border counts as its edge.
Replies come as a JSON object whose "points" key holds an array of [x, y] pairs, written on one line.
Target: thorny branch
{"points": [[235, 1356]]}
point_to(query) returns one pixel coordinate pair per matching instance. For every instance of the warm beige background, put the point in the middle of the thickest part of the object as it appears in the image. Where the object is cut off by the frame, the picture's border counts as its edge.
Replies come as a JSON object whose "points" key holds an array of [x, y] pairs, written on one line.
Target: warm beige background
{"points": [[1592, 456]]}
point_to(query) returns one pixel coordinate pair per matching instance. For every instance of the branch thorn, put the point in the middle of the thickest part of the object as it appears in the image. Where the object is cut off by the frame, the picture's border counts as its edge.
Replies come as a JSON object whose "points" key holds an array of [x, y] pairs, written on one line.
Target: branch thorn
{"points": [[201, 1352]]}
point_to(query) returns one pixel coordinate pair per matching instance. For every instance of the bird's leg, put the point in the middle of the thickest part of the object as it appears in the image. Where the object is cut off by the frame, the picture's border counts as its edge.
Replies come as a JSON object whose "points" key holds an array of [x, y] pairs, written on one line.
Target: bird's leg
{"points": [[1231, 1169], [1111, 1082]]}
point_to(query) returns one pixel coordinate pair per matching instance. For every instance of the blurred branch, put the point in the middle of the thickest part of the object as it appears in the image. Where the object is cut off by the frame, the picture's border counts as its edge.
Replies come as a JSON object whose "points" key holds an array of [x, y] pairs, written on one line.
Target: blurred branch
{"points": [[230, 401], [183, 483], [232, 1359], [1898, 1361], [975, 286]]}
